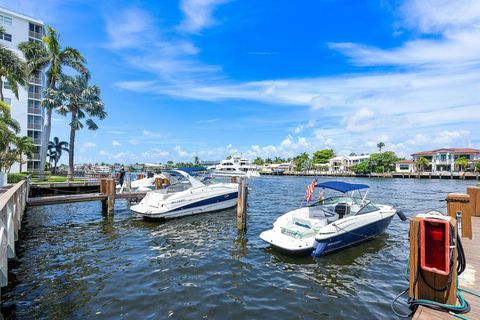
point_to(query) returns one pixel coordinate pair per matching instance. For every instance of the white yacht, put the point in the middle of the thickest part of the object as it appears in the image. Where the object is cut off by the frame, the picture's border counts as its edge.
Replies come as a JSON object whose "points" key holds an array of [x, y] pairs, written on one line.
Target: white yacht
{"points": [[330, 224], [236, 166], [196, 197]]}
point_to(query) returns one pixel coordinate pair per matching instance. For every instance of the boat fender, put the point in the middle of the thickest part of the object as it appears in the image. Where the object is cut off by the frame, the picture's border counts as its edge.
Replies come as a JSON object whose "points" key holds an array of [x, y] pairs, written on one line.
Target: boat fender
{"points": [[402, 215], [318, 248]]}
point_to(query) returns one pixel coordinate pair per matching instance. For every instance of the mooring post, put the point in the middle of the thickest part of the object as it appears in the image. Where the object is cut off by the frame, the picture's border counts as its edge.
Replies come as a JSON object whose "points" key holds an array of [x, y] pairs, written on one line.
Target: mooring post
{"points": [[103, 189], [110, 196], [461, 202], [474, 193], [242, 204]]}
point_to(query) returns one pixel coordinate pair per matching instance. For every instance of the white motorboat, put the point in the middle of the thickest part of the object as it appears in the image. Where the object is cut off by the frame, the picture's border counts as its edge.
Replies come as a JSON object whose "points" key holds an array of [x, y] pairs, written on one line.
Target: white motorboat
{"points": [[330, 224], [196, 198], [234, 167]]}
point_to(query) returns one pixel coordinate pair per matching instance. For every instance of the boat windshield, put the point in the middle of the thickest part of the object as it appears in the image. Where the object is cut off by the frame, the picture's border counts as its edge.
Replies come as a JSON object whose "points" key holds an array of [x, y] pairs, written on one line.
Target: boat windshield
{"points": [[340, 199], [367, 208]]}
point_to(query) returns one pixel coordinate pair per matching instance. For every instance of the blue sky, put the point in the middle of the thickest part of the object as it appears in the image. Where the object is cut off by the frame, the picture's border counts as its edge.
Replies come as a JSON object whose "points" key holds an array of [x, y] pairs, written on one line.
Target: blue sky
{"points": [[213, 77]]}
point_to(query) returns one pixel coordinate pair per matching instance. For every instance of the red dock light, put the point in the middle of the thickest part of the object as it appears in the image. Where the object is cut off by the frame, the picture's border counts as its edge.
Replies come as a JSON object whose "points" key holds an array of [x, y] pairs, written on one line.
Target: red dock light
{"points": [[435, 246]]}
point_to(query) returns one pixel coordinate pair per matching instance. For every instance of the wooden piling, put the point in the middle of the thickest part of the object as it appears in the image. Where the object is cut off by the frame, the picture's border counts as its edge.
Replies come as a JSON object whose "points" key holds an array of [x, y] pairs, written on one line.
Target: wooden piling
{"points": [[103, 189], [474, 193], [242, 205], [233, 179], [459, 202], [110, 196]]}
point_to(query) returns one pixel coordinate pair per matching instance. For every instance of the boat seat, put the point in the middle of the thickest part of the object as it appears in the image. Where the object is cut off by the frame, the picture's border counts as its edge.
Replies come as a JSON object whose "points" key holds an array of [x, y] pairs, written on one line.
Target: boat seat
{"points": [[342, 209]]}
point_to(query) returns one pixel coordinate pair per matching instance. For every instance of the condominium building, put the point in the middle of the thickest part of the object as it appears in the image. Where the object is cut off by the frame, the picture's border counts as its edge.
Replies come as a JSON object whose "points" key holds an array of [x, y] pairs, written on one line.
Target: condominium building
{"points": [[26, 109], [444, 159]]}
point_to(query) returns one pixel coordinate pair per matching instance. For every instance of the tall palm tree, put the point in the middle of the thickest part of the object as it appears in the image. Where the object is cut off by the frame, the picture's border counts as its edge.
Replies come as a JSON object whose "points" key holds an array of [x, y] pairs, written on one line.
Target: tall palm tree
{"points": [[462, 163], [75, 97], [50, 54], [11, 68], [55, 149], [25, 146], [380, 146], [422, 163]]}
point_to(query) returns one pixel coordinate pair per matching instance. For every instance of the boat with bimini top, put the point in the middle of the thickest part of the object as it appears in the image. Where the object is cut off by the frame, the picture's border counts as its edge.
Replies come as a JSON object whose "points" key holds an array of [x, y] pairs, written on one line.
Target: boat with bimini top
{"points": [[330, 223]]}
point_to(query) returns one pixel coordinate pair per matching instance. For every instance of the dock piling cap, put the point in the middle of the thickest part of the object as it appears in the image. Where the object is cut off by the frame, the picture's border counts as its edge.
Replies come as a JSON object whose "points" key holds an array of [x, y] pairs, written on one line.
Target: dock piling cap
{"points": [[458, 197]]}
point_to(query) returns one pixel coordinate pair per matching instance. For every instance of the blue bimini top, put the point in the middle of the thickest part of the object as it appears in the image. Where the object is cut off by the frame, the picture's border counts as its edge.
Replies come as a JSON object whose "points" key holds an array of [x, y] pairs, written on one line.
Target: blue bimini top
{"points": [[341, 186]]}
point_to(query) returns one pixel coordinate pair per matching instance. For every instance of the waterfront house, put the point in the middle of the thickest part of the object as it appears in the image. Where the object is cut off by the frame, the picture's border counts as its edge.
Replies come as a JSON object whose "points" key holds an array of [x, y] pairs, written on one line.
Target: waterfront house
{"points": [[277, 168], [343, 163], [405, 166], [444, 159]]}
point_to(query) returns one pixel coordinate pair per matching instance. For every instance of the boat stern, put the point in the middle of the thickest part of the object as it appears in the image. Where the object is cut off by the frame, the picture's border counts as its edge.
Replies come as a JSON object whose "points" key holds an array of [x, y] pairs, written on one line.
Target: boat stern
{"points": [[287, 243]]}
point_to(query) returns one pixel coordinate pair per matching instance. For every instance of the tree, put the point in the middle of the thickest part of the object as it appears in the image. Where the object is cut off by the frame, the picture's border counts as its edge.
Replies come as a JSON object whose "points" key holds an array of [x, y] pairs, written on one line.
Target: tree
{"points": [[462, 163], [380, 146], [9, 127], [50, 54], [170, 164], [477, 166], [422, 163], [307, 165], [268, 161], [196, 160], [381, 162], [55, 149], [299, 160], [323, 156], [76, 97], [12, 69], [24, 145], [278, 160], [258, 161], [361, 168]]}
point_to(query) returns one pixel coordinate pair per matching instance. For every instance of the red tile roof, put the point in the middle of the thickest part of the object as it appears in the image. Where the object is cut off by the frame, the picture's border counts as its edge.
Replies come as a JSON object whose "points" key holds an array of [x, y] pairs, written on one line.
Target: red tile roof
{"points": [[449, 150], [405, 161]]}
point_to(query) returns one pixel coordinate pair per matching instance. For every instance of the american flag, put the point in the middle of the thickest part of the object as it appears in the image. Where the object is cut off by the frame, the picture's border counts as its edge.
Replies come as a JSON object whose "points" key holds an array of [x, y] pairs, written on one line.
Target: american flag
{"points": [[310, 188]]}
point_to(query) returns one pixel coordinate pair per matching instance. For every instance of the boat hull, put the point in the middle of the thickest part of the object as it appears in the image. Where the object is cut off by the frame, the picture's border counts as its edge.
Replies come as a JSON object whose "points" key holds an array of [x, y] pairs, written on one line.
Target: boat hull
{"points": [[286, 244], [215, 203], [350, 237]]}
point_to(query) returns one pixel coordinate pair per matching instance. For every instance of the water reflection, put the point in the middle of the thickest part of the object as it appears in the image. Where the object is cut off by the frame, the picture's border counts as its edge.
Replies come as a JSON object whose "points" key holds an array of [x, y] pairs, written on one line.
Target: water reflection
{"points": [[75, 263]]}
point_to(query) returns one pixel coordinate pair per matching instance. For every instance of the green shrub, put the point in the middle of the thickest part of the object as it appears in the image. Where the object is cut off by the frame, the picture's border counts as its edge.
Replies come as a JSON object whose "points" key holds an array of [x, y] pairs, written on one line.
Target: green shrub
{"points": [[15, 177]]}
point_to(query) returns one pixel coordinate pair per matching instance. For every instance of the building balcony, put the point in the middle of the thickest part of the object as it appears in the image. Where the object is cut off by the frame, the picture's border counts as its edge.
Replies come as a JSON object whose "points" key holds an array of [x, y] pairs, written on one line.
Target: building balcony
{"points": [[33, 95], [36, 35], [35, 80], [37, 111], [35, 156], [35, 126], [37, 141]]}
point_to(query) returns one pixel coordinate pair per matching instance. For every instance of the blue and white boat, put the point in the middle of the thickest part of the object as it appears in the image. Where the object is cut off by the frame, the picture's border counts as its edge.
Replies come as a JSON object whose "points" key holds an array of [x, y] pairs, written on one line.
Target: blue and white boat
{"points": [[331, 223], [196, 197]]}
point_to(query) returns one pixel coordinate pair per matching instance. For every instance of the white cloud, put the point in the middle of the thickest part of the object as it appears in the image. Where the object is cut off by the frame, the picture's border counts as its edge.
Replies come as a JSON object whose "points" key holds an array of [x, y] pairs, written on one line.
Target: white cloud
{"points": [[115, 143], [446, 137], [207, 121], [129, 28], [133, 141], [89, 144], [361, 121], [198, 14], [300, 128], [181, 152]]}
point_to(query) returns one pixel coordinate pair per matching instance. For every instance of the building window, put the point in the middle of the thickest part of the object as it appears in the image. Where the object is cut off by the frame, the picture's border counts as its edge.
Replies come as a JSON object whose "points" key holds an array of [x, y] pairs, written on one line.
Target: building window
{"points": [[6, 37], [35, 31], [7, 101], [6, 85], [6, 21], [404, 167]]}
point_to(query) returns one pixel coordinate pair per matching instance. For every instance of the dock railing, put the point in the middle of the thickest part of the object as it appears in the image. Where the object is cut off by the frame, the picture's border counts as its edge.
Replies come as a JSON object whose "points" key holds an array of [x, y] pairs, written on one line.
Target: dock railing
{"points": [[12, 207]]}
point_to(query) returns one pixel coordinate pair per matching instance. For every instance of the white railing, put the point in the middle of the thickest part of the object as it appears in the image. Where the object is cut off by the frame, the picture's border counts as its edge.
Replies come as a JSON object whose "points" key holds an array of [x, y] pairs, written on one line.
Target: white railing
{"points": [[12, 207]]}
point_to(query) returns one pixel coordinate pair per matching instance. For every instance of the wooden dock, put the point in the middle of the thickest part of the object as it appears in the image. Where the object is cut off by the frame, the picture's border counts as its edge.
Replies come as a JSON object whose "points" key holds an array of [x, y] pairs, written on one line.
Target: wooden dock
{"points": [[469, 280], [41, 201]]}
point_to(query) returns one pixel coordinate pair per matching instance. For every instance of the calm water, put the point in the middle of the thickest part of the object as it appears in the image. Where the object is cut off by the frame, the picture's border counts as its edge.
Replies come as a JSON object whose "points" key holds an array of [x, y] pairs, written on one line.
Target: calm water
{"points": [[73, 263]]}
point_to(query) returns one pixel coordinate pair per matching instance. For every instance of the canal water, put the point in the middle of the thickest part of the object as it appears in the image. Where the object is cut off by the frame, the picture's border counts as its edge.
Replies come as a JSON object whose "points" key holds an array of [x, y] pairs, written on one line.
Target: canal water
{"points": [[73, 263]]}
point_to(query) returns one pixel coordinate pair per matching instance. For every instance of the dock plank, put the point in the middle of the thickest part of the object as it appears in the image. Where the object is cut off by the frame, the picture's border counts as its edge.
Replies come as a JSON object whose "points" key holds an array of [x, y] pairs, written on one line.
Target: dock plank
{"points": [[470, 280], [71, 198]]}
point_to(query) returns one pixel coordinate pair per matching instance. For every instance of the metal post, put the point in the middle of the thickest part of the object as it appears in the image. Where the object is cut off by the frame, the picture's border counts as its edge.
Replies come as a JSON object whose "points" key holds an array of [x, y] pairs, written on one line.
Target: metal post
{"points": [[242, 205]]}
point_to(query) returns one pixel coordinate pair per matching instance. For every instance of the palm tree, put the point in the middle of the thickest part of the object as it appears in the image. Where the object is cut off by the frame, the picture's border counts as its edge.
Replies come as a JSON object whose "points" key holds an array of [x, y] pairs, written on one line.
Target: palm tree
{"points": [[422, 162], [50, 54], [380, 146], [197, 160], [55, 149], [9, 127], [25, 146], [462, 163], [11, 68], [75, 97]]}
